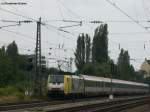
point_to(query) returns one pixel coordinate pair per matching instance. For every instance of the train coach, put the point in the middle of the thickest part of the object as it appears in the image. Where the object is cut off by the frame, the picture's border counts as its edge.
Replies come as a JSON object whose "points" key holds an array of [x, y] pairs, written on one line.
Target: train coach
{"points": [[85, 85]]}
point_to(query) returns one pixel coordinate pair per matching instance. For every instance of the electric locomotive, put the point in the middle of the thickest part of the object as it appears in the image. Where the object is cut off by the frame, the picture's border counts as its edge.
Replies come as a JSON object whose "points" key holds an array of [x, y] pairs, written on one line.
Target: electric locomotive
{"points": [[55, 84]]}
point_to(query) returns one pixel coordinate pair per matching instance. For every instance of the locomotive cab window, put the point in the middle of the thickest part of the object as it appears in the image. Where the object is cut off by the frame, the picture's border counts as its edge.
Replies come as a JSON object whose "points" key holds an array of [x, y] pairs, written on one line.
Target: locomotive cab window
{"points": [[57, 79]]}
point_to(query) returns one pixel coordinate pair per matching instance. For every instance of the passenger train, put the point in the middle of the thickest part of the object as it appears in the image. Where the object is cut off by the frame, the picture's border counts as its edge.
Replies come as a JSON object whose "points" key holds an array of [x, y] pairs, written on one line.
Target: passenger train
{"points": [[91, 86]]}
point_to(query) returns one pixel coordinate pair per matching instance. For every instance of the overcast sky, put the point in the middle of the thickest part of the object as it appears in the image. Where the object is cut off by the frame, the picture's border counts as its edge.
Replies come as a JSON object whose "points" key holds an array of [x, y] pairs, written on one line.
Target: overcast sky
{"points": [[121, 29]]}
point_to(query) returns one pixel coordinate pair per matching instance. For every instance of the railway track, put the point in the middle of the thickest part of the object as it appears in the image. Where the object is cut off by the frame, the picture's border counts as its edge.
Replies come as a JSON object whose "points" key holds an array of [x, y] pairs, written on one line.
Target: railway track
{"points": [[42, 103], [101, 106], [111, 107], [96, 104], [15, 106]]}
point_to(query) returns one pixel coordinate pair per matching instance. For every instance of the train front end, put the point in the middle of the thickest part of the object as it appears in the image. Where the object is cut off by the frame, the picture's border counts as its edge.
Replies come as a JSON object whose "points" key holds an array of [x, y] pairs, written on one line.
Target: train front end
{"points": [[55, 85]]}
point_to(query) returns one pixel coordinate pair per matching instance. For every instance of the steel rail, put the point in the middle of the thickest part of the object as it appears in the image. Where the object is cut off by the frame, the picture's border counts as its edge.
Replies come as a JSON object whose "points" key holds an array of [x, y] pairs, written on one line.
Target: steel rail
{"points": [[41, 103], [106, 106], [15, 106], [116, 107]]}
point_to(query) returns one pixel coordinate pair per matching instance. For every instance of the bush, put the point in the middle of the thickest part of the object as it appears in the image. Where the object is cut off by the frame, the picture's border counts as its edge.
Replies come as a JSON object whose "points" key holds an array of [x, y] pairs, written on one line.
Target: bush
{"points": [[7, 91], [20, 95], [11, 91], [2, 92]]}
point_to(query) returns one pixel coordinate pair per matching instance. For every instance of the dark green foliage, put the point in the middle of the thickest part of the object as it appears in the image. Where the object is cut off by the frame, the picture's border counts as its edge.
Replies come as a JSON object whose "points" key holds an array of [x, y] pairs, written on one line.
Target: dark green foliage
{"points": [[140, 76], [12, 53], [100, 65], [30, 63], [113, 69], [9, 90], [100, 45], [88, 69], [6, 69], [82, 54], [13, 67], [23, 62], [87, 48], [100, 58], [103, 70], [125, 69]]}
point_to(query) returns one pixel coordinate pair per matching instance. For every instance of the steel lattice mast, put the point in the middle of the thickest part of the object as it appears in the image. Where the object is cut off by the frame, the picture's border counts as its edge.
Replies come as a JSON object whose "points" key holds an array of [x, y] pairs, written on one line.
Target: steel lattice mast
{"points": [[38, 77]]}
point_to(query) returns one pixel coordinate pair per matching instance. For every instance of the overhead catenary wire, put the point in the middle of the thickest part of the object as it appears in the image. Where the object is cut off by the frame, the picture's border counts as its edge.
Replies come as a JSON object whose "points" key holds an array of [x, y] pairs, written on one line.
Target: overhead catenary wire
{"points": [[72, 21], [136, 12], [20, 34], [69, 10], [9, 25], [108, 21], [123, 12], [129, 33], [26, 36], [54, 26], [34, 20], [59, 29], [87, 21], [60, 34], [61, 14], [20, 15], [14, 13], [146, 8], [67, 21]]}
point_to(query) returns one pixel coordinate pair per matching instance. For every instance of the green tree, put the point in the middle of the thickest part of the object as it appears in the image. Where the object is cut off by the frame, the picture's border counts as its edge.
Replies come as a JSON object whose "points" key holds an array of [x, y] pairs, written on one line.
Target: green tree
{"points": [[87, 48], [125, 69], [12, 52], [100, 45], [13, 68], [82, 54], [5, 69]]}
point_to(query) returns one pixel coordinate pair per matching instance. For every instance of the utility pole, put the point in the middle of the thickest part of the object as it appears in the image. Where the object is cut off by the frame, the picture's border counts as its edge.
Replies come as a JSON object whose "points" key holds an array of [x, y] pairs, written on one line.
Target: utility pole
{"points": [[38, 77]]}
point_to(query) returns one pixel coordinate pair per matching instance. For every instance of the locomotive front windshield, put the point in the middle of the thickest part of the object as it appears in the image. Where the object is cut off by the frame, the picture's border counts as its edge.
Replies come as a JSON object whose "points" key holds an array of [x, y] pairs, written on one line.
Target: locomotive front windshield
{"points": [[56, 78]]}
